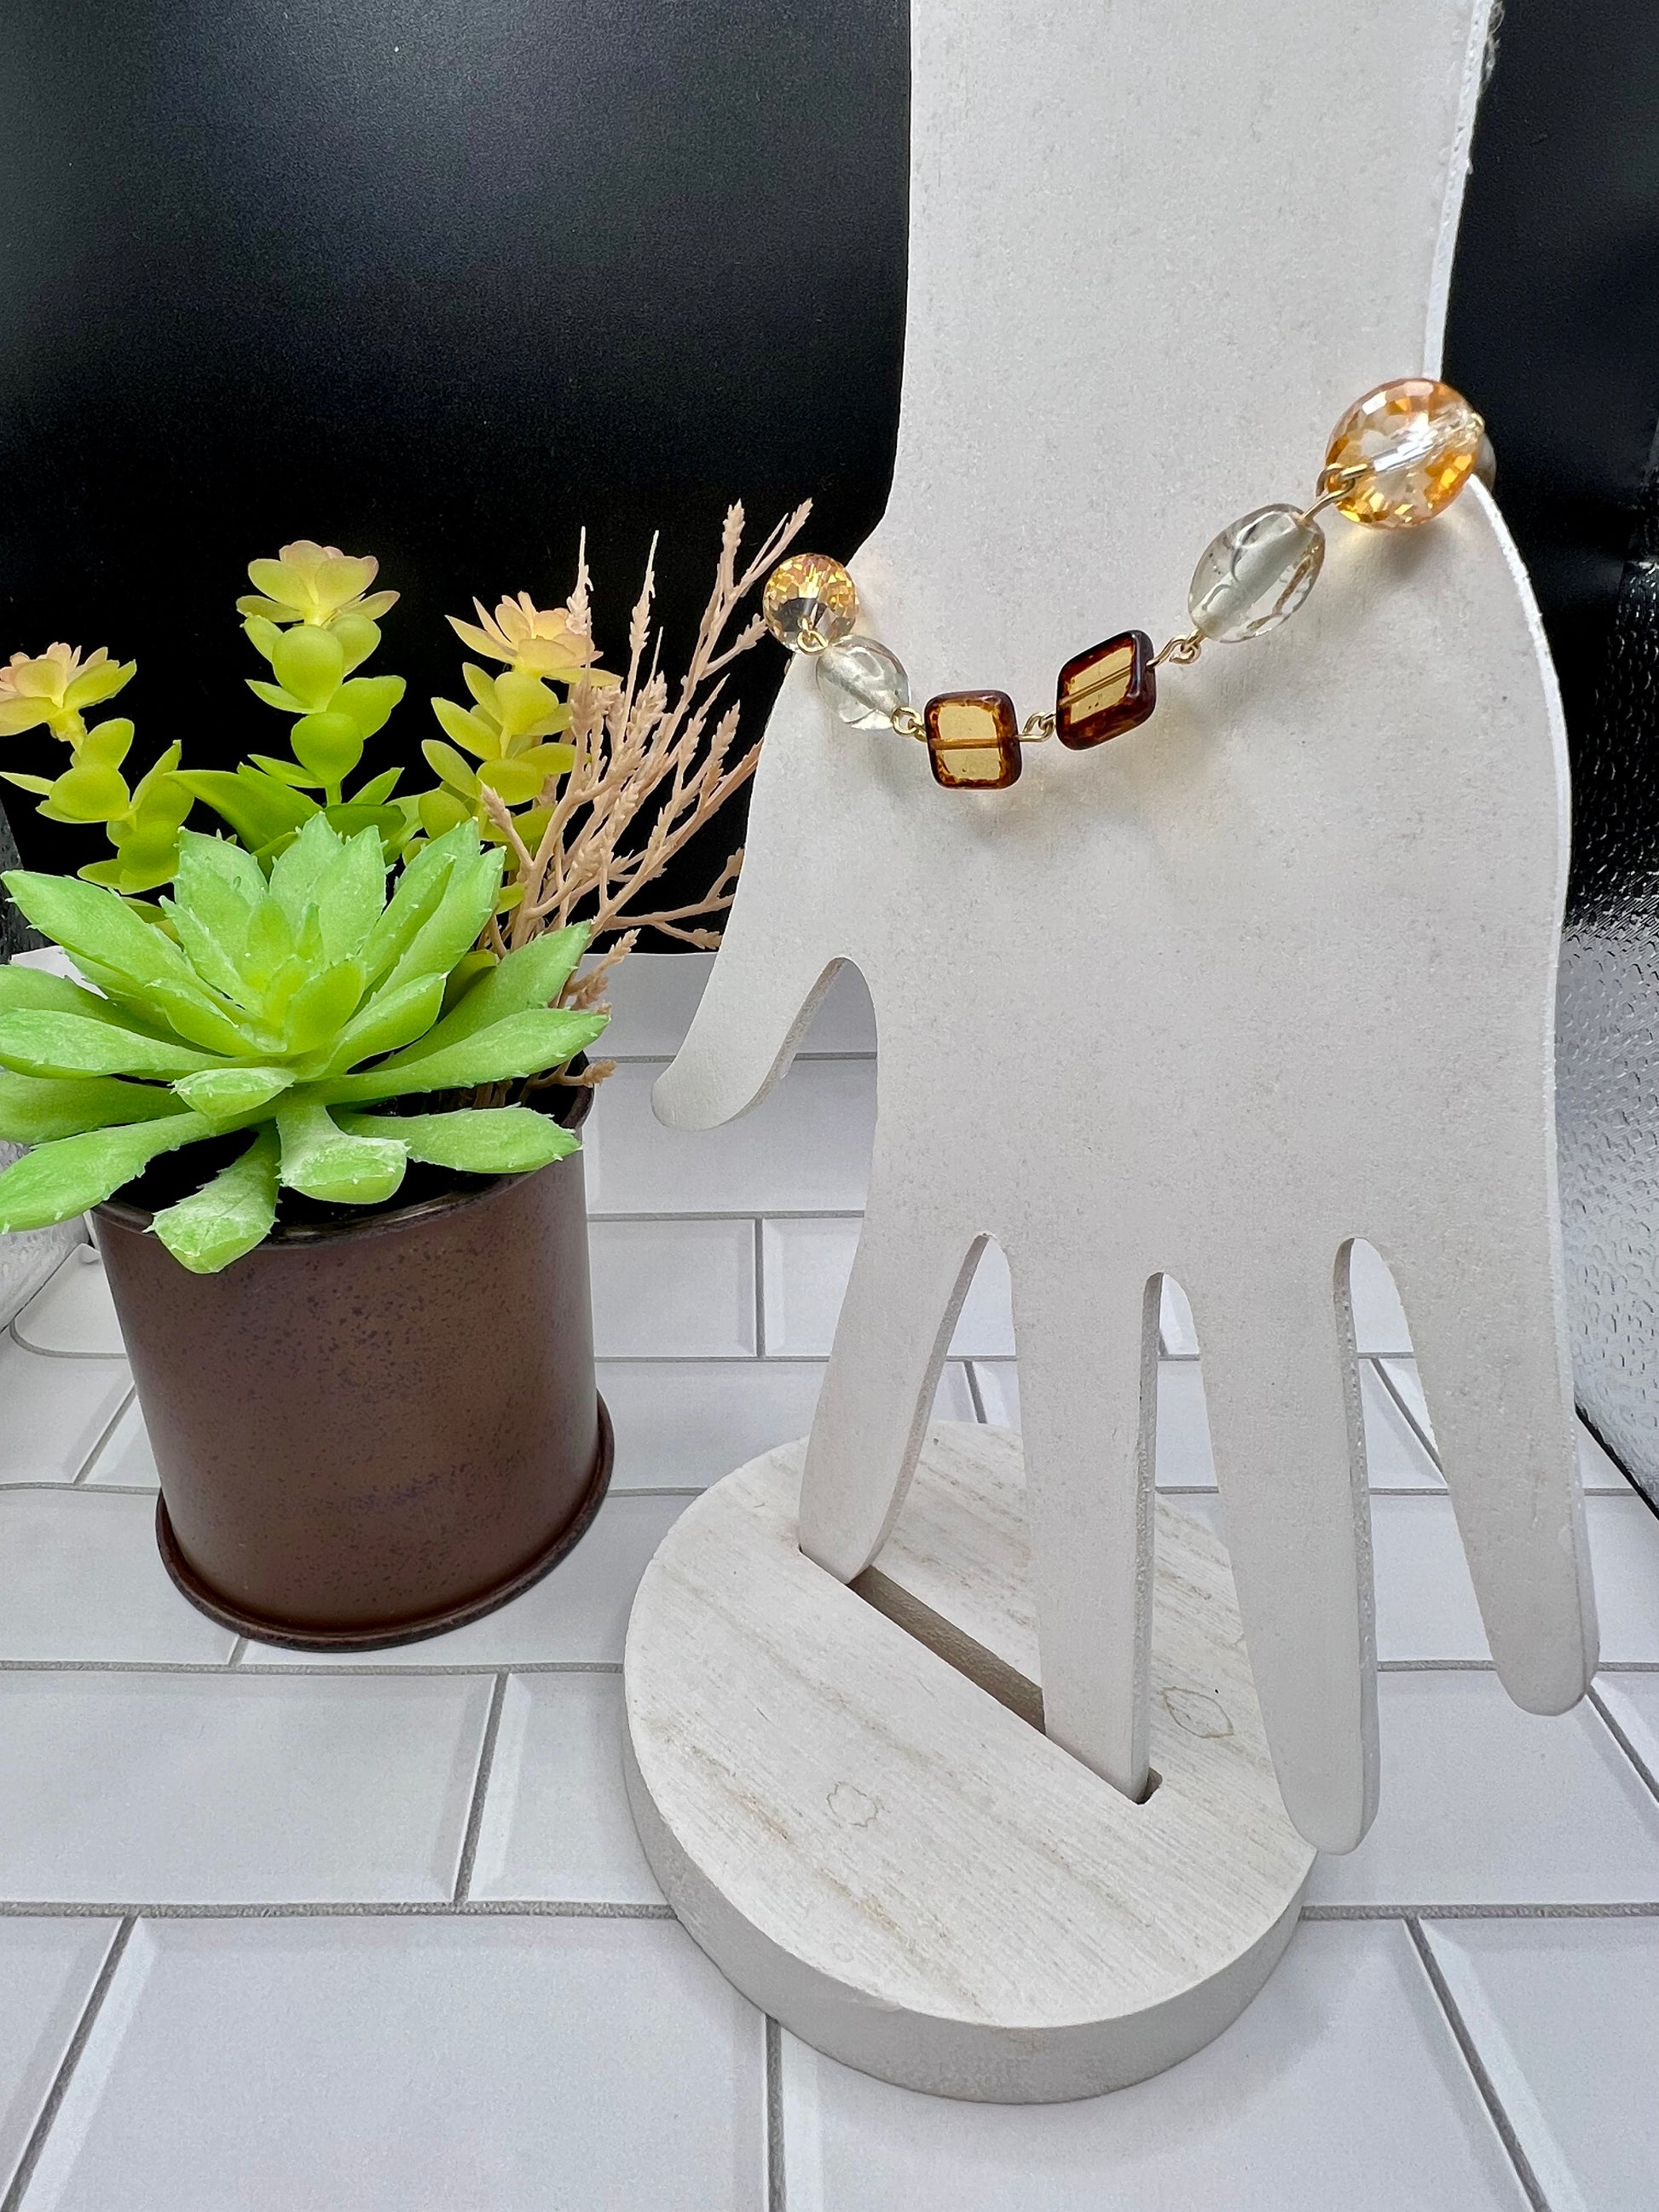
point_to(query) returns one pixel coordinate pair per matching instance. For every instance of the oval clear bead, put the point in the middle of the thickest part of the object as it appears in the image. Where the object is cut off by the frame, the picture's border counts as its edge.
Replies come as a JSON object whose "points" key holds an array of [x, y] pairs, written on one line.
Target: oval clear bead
{"points": [[1255, 574], [863, 682]]}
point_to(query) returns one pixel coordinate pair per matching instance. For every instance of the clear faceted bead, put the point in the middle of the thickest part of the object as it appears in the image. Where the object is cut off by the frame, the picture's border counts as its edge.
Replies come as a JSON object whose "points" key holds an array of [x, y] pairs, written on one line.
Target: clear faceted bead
{"points": [[1255, 574], [863, 682], [808, 592], [1414, 443]]}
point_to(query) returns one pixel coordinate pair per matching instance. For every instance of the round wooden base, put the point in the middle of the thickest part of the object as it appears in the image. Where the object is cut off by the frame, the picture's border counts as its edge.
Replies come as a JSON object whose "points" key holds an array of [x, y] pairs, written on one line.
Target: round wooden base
{"points": [[878, 1846]]}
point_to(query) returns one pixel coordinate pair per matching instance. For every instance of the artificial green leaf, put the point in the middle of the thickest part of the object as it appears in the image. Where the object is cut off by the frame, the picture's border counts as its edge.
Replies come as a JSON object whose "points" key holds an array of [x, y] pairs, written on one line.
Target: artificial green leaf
{"points": [[288, 772], [274, 696], [309, 663], [415, 899], [34, 1109], [392, 1018], [89, 793], [56, 1181], [468, 970], [226, 1094], [258, 808], [358, 637], [88, 922], [70, 1044], [369, 700], [321, 1160], [107, 745], [449, 767], [261, 634], [348, 893], [475, 1139], [468, 729], [378, 789], [457, 920], [530, 978], [228, 1216], [441, 811], [522, 701], [515, 782], [95, 685], [523, 1044], [329, 744], [24, 986], [321, 1005]]}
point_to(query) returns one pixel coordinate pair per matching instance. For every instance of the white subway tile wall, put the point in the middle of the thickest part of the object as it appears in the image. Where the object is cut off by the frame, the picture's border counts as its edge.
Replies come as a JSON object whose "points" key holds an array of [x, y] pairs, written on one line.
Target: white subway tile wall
{"points": [[281, 1932]]}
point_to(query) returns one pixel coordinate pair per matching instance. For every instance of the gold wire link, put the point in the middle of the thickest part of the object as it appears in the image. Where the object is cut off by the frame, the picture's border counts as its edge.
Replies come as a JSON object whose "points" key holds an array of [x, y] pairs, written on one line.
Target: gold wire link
{"points": [[1181, 652], [908, 723], [811, 642], [1332, 485], [1035, 728]]}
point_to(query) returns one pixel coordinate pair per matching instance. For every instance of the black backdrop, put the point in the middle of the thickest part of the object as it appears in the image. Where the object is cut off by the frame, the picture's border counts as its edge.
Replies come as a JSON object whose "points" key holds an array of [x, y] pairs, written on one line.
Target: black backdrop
{"points": [[441, 280], [444, 279]]}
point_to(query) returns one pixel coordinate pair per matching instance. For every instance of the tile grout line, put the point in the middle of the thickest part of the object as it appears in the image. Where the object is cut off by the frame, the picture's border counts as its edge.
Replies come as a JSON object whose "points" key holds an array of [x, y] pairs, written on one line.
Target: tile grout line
{"points": [[480, 1790], [392, 1908], [1472, 2058], [777, 2181], [71, 2059], [109, 1429], [1379, 1362], [973, 1396], [345, 1670], [572, 1908], [759, 1287], [1623, 1741], [1634, 1910]]}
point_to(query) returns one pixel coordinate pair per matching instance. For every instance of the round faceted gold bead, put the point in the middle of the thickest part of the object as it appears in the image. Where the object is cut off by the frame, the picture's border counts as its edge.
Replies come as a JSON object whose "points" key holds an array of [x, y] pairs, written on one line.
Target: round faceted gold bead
{"points": [[1402, 453], [809, 602]]}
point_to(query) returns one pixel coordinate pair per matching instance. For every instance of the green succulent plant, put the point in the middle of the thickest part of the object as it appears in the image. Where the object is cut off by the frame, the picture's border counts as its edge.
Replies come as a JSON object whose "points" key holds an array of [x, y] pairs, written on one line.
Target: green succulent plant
{"points": [[284, 1008]]}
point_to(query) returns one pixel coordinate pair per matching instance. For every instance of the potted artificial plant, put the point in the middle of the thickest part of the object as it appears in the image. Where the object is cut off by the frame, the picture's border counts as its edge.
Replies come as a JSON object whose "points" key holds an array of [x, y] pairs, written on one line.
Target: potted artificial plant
{"points": [[318, 1073]]}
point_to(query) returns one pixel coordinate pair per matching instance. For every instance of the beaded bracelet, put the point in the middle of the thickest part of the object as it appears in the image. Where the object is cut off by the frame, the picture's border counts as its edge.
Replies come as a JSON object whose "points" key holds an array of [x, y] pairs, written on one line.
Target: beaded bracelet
{"points": [[1398, 458]]}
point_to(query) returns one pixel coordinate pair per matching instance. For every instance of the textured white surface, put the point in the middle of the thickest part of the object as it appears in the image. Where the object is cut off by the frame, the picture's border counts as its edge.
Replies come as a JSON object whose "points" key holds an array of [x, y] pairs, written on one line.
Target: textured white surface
{"points": [[1340, 2090], [53, 1413], [81, 1578], [1272, 973], [1331, 2080], [556, 1824], [1566, 2019], [895, 1865], [1486, 1805], [380, 2066], [131, 1787], [47, 1968]]}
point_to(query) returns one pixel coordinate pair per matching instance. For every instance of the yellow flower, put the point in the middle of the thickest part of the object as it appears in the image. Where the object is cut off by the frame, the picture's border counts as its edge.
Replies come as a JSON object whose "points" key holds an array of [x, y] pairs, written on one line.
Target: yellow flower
{"points": [[542, 640], [54, 685], [313, 583]]}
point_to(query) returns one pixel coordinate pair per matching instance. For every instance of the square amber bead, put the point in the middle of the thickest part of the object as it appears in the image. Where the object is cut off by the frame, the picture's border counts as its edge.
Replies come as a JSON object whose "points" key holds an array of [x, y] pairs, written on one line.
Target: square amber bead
{"points": [[1105, 691], [973, 740]]}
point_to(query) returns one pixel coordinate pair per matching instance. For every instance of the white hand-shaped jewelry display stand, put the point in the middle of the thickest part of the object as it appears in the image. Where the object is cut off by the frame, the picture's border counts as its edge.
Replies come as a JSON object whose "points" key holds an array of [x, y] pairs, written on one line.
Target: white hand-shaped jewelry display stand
{"points": [[1270, 972]]}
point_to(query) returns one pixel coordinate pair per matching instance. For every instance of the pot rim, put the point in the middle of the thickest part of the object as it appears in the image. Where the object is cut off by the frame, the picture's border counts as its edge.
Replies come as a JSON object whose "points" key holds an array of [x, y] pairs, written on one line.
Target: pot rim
{"points": [[375, 1220]]}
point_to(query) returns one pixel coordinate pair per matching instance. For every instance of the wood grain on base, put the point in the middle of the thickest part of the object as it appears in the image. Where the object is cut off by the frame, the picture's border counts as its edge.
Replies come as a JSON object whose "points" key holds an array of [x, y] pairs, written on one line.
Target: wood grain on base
{"points": [[895, 1865]]}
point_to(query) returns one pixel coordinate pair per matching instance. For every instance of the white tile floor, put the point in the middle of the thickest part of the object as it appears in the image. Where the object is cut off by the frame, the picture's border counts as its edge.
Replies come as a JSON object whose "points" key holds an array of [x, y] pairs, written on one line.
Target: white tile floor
{"points": [[291, 1936]]}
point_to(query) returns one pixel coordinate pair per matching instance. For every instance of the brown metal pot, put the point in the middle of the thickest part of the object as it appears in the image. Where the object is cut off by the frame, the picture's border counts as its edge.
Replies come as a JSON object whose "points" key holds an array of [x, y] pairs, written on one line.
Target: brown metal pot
{"points": [[371, 1429]]}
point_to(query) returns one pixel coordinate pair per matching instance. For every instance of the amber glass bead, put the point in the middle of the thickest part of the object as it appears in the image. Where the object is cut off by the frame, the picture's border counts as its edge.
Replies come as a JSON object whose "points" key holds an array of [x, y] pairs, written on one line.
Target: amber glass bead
{"points": [[808, 592], [1105, 691], [1417, 442], [973, 740]]}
